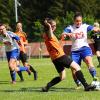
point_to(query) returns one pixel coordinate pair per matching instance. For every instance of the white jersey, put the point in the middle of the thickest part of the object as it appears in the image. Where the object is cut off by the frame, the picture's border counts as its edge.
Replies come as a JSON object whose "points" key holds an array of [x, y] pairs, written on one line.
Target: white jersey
{"points": [[77, 43], [12, 44]]}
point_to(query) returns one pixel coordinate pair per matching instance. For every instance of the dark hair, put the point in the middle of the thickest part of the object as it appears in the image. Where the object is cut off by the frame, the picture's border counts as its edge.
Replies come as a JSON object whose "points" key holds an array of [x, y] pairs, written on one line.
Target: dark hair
{"points": [[77, 14]]}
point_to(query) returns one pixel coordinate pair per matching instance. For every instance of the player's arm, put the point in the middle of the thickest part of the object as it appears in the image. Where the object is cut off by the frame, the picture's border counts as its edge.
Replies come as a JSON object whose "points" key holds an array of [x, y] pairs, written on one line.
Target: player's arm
{"points": [[24, 38], [14, 36], [49, 32], [25, 42], [67, 33], [92, 28]]}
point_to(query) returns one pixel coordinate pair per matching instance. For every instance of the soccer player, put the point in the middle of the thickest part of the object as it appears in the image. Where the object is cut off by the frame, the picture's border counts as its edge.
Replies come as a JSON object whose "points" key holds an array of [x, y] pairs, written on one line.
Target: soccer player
{"points": [[23, 55], [80, 49], [59, 59], [12, 51], [96, 38]]}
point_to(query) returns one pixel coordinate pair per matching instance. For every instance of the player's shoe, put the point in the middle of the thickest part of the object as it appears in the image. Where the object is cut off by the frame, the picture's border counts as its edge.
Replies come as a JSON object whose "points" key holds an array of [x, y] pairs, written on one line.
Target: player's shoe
{"points": [[95, 78], [90, 88], [79, 86], [13, 82], [45, 89]]}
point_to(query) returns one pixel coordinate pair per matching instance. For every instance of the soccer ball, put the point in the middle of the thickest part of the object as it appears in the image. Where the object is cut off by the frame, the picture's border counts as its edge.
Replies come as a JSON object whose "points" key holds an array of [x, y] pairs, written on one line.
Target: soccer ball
{"points": [[97, 84]]}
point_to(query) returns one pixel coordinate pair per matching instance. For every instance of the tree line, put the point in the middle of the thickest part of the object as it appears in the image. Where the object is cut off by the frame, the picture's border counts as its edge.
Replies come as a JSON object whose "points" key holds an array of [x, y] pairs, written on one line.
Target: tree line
{"points": [[32, 13]]}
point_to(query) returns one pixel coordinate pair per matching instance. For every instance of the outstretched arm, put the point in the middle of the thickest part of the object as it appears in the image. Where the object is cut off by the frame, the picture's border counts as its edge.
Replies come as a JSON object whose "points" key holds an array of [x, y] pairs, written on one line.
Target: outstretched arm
{"points": [[49, 31], [70, 35]]}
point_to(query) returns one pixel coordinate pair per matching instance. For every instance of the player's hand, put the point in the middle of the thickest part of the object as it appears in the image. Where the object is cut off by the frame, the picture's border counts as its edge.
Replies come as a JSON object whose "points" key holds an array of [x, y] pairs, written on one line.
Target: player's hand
{"points": [[47, 24], [63, 36]]}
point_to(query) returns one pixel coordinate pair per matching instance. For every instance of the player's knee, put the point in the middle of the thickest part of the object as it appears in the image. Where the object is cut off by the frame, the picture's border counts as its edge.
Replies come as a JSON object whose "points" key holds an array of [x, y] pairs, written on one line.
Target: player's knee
{"points": [[75, 66]]}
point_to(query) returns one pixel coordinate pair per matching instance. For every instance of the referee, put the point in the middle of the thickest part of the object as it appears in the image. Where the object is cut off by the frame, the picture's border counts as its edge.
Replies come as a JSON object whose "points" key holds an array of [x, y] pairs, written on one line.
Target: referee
{"points": [[96, 38]]}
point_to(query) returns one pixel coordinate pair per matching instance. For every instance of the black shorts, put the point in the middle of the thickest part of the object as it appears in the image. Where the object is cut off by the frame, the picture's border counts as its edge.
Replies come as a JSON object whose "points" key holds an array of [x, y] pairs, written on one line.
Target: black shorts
{"points": [[23, 57], [97, 45], [62, 62]]}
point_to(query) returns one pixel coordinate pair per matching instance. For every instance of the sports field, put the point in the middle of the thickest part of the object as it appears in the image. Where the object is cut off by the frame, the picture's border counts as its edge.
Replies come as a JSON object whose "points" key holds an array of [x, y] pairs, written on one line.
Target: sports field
{"points": [[31, 90]]}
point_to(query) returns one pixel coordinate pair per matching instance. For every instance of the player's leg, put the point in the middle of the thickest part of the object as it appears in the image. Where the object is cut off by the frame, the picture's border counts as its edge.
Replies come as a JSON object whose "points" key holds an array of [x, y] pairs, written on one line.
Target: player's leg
{"points": [[87, 56], [80, 77], [26, 64], [92, 70], [24, 60], [97, 47], [54, 81], [76, 56], [19, 72], [60, 69], [14, 68], [77, 82], [34, 72], [12, 65], [98, 58], [68, 62]]}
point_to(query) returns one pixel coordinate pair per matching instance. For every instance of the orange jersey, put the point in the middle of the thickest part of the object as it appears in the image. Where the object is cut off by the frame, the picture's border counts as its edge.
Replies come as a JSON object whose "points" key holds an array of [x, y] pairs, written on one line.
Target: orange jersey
{"points": [[53, 47], [23, 41]]}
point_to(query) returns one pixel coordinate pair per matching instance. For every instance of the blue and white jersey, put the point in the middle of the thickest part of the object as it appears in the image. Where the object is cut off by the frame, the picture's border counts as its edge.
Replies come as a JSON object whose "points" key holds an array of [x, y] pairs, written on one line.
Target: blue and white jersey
{"points": [[77, 43], [10, 41]]}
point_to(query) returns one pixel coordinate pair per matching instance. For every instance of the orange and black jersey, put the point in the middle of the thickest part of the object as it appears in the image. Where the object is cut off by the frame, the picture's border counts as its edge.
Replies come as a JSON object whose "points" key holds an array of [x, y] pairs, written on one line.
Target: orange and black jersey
{"points": [[53, 47], [23, 40]]}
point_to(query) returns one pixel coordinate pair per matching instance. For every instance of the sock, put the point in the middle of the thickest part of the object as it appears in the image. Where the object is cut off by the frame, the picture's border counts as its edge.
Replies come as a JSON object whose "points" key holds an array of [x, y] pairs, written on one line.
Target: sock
{"points": [[77, 82], [13, 75], [23, 68], [92, 71], [81, 78], [53, 82], [20, 75], [98, 59], [32, 69]]}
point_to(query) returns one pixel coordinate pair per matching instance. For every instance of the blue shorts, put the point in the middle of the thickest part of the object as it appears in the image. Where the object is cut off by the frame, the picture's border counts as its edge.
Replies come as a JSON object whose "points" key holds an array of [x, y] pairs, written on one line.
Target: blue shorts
{"points": [[13, 54], [80, 54]]}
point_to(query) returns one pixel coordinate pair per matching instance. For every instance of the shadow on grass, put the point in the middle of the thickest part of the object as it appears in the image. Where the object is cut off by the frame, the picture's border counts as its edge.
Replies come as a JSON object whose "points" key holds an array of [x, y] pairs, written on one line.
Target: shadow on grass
{"points": [[39, 89], [4, 82]]}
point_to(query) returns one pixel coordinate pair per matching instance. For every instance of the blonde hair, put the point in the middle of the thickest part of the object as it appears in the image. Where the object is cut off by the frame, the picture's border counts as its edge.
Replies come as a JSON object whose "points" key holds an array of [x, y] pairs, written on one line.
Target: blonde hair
{"points": [[96, 24]]}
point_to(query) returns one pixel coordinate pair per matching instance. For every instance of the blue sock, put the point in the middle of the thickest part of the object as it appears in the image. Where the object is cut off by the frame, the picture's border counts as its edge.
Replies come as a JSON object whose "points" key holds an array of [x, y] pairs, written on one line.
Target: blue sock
{"points": [[13, 75], [92, 71], [23, 69]]}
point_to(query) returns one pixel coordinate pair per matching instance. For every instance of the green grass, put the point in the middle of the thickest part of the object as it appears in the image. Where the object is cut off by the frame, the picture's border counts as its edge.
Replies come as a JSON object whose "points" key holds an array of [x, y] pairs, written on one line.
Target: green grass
{"points": [[31, 90]]}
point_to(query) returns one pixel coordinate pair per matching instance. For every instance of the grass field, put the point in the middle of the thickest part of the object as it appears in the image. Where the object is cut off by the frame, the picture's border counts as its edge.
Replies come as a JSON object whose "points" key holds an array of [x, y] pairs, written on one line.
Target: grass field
{"points": [[31, 90]]}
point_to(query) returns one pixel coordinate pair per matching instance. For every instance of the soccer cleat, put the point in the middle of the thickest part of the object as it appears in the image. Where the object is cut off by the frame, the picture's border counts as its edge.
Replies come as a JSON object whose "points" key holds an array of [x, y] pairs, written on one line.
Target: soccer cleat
{"points": [[79, 86], [35, 75], [95, 78], [13, 82], [45, 89], [90, 88], [21, 80]]}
